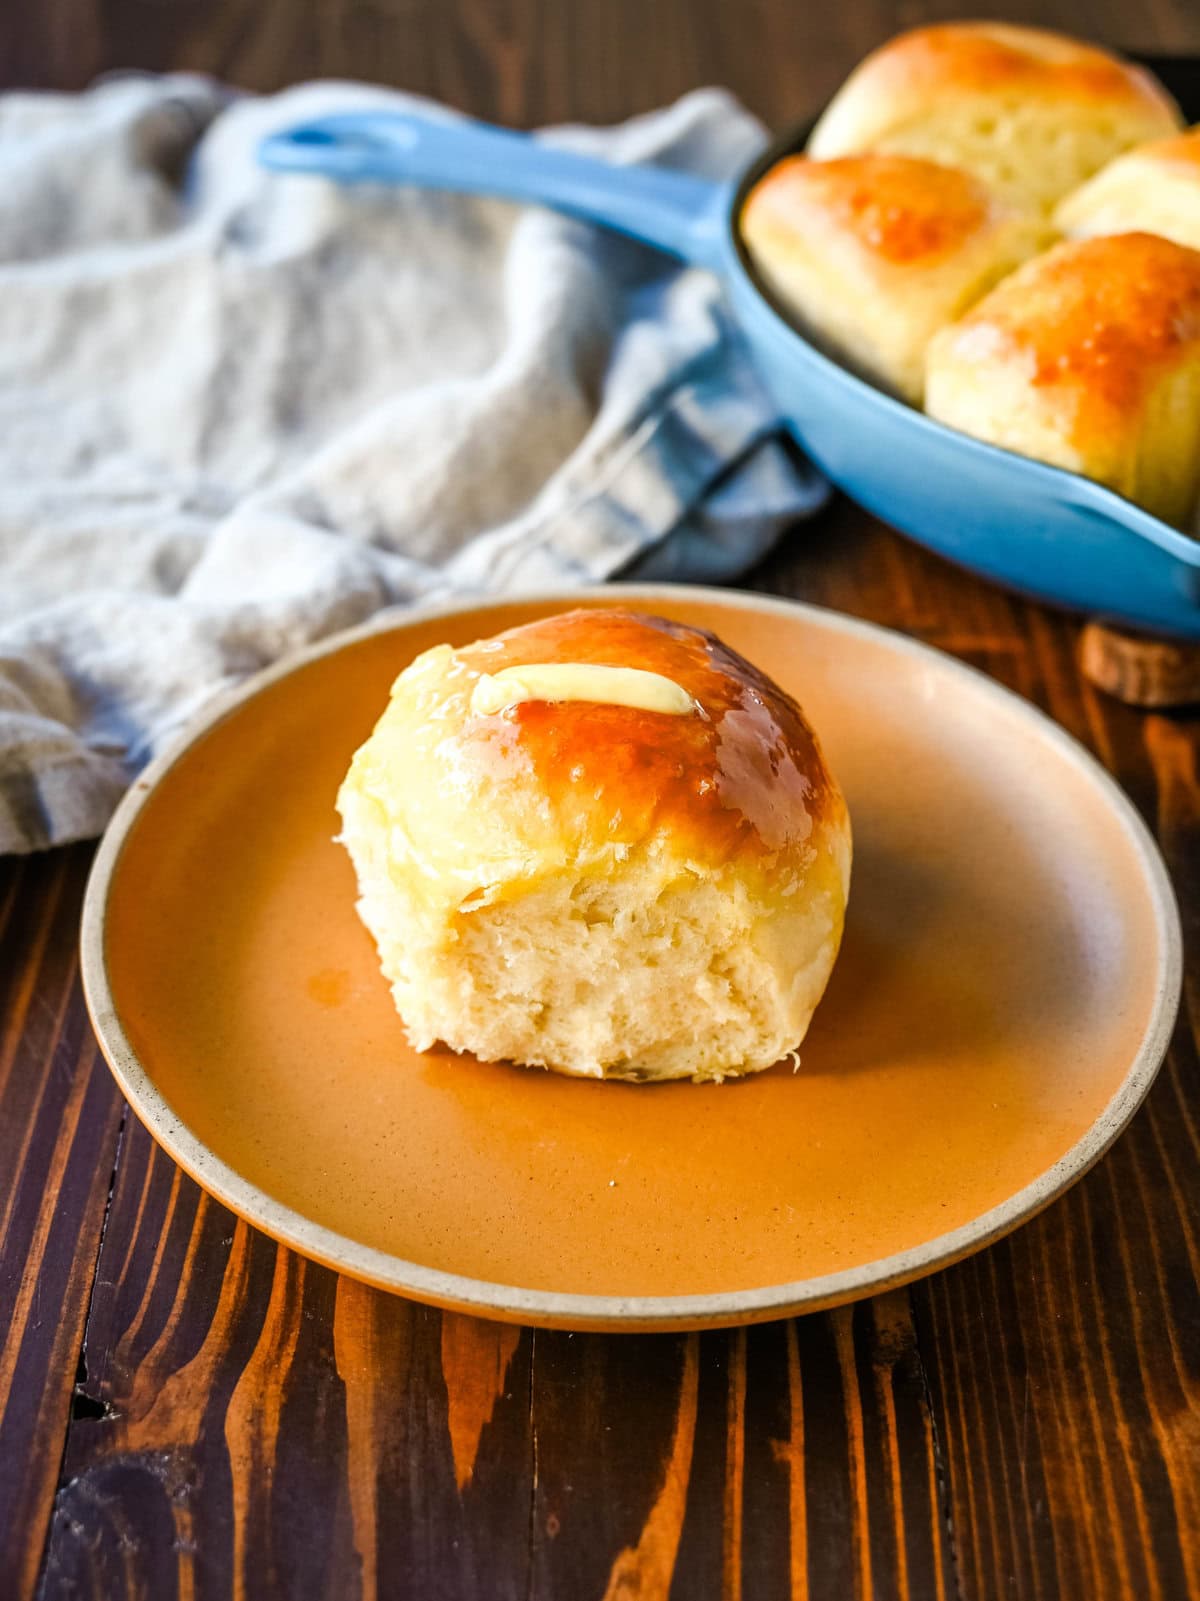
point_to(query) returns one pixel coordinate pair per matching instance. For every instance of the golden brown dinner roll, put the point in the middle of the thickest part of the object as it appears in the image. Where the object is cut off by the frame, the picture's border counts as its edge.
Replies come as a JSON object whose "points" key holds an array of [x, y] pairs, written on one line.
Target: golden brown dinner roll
{"points": [[1088, 358], [1032, 113], [872, 254], [601, 843], [1154, 189]]}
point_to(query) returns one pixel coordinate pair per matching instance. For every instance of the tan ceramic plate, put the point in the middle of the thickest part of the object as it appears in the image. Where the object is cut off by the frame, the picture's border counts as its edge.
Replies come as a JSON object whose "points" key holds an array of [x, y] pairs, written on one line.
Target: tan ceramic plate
{"points": [[1009, 977]]}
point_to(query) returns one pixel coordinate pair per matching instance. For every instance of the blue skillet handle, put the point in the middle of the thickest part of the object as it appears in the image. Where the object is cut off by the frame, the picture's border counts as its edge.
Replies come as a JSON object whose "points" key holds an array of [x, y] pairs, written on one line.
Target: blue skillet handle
{"points": [[676, 213]]}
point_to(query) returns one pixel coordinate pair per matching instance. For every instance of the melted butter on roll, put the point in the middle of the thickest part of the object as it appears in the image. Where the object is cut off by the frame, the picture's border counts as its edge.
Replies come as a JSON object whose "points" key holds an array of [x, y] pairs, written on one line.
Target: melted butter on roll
{"points": [[588, 681], [588, 885]]}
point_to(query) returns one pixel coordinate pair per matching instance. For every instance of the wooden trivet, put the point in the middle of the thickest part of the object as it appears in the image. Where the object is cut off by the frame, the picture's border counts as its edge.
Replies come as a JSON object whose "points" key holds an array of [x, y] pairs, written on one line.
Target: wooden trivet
{"points": [[1139, 669]]}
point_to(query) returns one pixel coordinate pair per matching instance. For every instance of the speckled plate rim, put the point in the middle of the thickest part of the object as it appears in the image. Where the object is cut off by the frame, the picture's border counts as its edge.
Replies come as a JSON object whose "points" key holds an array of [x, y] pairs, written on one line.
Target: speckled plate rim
{"points": [[549, 1308]]}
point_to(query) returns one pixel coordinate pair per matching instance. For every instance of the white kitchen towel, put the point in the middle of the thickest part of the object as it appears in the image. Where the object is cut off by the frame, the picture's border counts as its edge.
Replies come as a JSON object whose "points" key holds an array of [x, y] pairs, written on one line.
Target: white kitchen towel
{"points": [[240, 410]]}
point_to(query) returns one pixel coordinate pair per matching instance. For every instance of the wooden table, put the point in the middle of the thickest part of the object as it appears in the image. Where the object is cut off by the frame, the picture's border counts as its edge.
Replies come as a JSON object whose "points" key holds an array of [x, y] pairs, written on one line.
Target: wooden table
{"points": [[188, 1411]]}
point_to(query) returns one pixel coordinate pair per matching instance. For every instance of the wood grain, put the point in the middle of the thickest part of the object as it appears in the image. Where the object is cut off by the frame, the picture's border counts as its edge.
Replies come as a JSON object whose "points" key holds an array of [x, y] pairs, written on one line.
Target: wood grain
{"points": [[1138, 668], [60, 1117], [189, 1411], [521, 61], [1025, 1424], [1063, 1363]]}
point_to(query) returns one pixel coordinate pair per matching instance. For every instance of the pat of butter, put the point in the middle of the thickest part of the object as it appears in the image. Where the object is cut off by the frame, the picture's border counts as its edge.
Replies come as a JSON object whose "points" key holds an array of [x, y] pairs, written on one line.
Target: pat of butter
{"points": [[559, 681]]}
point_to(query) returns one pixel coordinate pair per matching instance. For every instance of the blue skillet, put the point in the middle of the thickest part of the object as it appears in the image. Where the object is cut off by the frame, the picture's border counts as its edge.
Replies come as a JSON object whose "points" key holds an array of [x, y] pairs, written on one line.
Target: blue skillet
{"points": [[1047, 533]]}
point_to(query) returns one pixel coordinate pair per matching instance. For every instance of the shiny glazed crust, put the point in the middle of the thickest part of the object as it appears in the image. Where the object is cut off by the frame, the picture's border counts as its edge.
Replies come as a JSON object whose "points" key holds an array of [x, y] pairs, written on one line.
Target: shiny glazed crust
{"points": [[900, 211], [1087, 357], [493, 800], [1031, 111], [986, 57], [600, 889], [872, 254]]}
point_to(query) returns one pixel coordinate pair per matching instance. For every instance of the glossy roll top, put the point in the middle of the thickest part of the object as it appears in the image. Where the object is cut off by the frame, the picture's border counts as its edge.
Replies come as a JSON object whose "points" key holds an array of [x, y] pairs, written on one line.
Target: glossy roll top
{"points": [[1088, 357], [601, 843], [1031, 112], [871, 254], [489, 803], [898, 209]]}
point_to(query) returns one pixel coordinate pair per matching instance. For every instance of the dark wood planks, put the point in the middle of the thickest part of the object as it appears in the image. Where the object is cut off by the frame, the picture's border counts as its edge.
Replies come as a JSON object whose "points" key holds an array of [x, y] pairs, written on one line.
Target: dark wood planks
{"points": [[1069, 1356], [59, 1120], [259, 1426], [782, 1461], [254, 1425], [1064, 1363], [1027, 1424], [521, 61]]}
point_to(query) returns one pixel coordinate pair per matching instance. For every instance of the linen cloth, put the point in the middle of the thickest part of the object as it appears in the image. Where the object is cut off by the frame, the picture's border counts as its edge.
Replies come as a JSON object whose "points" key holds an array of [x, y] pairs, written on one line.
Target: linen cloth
{"points": [[240, 410]]}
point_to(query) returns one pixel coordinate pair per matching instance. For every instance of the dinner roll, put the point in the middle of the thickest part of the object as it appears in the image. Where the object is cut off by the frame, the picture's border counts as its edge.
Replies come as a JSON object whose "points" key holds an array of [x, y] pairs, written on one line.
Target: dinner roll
{"points": [[601, 843], [1154, 189], [1088, 358], [1030, 112], [871, 254]]}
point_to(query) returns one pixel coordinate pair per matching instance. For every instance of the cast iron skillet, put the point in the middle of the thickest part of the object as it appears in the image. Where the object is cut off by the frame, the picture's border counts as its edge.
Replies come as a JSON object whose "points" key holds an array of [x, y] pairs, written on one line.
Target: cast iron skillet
{"points": [[1037, 529]]}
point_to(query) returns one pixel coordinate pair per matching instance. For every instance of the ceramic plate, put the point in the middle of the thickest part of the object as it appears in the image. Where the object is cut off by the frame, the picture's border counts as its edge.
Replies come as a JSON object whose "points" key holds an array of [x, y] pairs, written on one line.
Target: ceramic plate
{"points": [[1005, 992]]}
